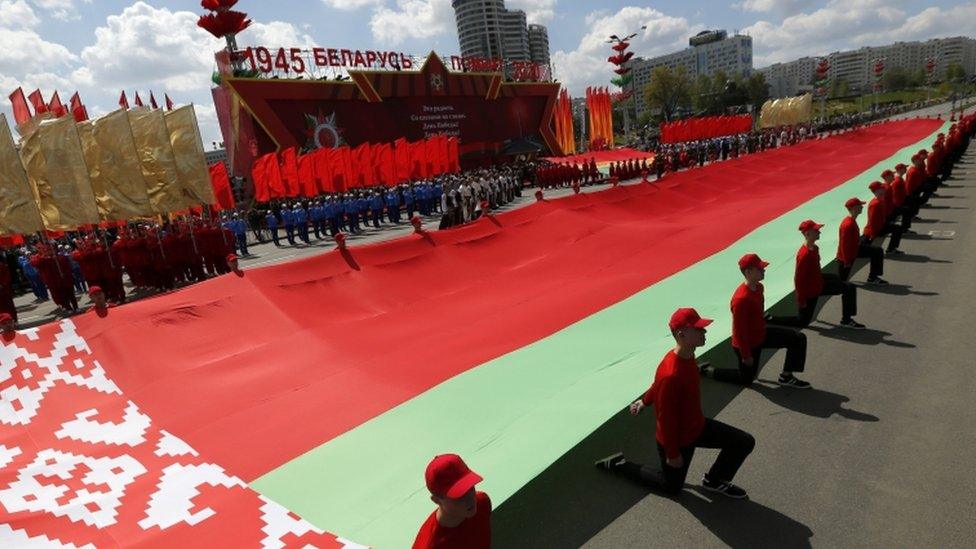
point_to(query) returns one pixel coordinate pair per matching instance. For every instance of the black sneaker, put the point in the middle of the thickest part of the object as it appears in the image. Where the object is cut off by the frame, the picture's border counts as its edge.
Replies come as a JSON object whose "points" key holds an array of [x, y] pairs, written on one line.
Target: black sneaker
{"points": [[852, 324], [725, 488], [611, 462], [789, 380], [877, 281], [894, 252]]}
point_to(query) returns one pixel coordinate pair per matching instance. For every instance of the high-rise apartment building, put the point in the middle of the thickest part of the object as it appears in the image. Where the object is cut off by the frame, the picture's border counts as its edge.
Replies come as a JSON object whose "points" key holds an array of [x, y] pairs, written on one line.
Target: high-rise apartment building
{"points": [[539, 44], [856, 67], [487, 30], [708, 52]]}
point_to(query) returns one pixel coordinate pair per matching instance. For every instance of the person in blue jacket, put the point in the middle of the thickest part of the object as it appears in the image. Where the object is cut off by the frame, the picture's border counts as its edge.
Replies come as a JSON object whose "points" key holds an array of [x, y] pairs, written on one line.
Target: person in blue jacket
{"points": [[33, 278], [408, 201], [376, 208], [239, 227], [272, 222], [301, 222], [288, 219], [392, 206]]}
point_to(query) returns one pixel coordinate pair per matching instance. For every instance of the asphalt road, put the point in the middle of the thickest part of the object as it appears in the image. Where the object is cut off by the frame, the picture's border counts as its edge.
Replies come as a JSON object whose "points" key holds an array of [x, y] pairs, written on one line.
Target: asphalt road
{"points": [[878, 454]]}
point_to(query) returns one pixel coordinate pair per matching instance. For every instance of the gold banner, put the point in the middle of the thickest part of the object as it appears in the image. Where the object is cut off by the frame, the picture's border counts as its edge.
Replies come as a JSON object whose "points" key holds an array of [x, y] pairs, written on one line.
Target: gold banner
{"points": [[158, 163], [58, 175], [114, 167], [184, 135], [18, 212], [786, 111]]}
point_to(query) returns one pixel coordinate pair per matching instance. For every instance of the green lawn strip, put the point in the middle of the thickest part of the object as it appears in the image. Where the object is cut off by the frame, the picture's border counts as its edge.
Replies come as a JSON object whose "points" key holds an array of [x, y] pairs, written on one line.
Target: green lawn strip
{"points": [[513, 416]]}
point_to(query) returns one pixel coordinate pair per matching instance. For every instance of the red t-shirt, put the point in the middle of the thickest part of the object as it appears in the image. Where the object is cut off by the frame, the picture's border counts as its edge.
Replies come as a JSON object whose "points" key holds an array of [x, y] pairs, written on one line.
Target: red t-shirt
{"points": [[849, 241], [876, 219], [473, 533], [913, 178], [676, 397], [898, 191], [889, 200], [808, 278], [748, 322]]}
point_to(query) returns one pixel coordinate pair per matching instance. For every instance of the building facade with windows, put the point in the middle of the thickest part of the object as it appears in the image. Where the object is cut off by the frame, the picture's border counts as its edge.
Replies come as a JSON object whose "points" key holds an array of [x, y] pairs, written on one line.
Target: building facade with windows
{"points": [[856, 67], [708, 52], [488, 30]]}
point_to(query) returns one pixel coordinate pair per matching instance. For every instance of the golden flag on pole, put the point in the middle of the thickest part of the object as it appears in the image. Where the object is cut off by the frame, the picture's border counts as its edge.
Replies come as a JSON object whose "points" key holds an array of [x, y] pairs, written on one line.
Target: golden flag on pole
{"points": [[58, 175], [114, 167], [158, 162], [18, 212], [184, 135]]}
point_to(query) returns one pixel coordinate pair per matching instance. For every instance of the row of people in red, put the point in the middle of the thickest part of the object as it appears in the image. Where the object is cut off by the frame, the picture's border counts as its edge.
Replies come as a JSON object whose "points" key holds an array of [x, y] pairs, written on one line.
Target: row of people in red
{"points": [[549, 175], [630, 169], [675, 394]]}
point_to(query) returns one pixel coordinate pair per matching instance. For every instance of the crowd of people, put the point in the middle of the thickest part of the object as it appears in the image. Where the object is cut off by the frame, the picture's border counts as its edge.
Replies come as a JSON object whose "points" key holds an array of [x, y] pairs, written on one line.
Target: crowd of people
{"points": [[462, 518]]}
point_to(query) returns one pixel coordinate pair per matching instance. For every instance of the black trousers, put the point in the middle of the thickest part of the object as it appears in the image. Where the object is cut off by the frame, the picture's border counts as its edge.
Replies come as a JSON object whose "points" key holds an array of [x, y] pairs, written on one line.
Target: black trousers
{"points": [[777, 337], [833, 285], [735, 445], [874, 253], [894, 233]]}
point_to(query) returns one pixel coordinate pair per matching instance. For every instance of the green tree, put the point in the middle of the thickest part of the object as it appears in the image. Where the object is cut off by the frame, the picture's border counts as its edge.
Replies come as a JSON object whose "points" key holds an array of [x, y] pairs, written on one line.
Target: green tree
{"points": [[955, 73], [896, 79], [757, 90], [668, 91]]}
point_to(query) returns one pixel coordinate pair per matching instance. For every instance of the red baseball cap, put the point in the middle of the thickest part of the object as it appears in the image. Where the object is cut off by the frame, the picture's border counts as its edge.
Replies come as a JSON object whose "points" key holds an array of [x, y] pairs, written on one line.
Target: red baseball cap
{"points": [[231, 257], [923, 152], [875, 185], [448, 476], [809, 225], [687, 318], [854, 202], [887, 173], [752, 260], [5, 318], [900, 166], [92, 290]]}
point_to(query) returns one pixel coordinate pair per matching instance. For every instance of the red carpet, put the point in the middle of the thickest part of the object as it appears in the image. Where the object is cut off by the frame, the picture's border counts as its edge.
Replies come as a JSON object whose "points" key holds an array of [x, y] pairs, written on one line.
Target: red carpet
{"points": [[234, 364]]}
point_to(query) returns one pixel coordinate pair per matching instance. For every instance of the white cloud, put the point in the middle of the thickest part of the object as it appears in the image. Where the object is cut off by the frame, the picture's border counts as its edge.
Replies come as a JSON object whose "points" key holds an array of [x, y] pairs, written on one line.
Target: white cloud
{"points": [[411, 19], [144, 45], [536, 11], [275, 34], [349, 5], [784, 7], [60, 9], [17, 14], [22, 48], [587, 65]]}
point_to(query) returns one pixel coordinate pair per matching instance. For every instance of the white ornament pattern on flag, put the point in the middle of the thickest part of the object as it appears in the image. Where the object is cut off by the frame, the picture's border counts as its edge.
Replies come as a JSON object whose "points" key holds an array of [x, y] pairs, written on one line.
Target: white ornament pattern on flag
{"points": [[82, 466]]}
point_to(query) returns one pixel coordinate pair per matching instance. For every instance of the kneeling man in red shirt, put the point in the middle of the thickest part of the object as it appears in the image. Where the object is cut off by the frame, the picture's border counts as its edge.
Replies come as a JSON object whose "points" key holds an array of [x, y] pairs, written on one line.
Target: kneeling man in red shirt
{"points": [[681, 426]]}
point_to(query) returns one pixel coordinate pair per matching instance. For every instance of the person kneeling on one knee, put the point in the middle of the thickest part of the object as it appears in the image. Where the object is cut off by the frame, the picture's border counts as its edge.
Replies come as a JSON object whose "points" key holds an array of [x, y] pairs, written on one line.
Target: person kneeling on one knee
{"points": [[681, 427]]}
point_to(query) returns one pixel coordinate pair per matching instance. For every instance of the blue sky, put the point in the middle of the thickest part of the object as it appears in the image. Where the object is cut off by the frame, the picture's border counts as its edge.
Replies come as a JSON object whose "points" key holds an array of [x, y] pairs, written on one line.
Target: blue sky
{"points": [[99, 47]]}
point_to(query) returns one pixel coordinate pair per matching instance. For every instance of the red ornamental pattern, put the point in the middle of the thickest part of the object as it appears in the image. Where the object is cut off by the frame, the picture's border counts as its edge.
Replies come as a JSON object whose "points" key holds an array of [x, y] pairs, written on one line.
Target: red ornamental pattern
{"points": [[82, 466]]}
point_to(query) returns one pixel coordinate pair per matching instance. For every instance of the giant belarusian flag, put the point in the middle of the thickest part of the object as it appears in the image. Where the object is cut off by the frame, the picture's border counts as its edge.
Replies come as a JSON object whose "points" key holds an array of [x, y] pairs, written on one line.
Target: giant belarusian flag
{"points": [[327, 384]]}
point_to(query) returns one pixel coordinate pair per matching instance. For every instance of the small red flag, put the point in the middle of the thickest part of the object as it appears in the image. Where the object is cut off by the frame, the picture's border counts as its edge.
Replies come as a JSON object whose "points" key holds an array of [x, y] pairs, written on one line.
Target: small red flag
{"points": [[152, 100], [78, 110], [56, 106], [123, 100], [169, 102], [22, 111], [37, 100], [138, 100]]}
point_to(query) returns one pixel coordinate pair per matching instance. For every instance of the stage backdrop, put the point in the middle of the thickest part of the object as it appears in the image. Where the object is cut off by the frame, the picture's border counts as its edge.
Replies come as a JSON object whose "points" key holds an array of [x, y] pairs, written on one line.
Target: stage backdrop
{"points": [[489, 116]]}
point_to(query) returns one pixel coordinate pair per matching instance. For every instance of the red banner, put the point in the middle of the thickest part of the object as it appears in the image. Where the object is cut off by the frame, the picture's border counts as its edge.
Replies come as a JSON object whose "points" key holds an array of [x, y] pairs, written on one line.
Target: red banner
{"points": [[221, 187], [706, 127]]}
